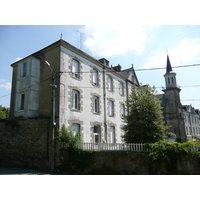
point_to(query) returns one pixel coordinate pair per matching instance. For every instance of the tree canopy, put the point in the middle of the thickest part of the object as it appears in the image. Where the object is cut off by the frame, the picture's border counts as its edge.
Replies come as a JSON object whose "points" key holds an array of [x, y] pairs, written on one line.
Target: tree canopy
{"points": [[144, 119], [4, 112]]}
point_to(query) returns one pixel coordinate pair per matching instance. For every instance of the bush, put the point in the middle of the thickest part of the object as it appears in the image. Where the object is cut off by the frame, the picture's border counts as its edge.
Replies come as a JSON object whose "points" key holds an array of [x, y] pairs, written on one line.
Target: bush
{"points": [[68, 139]]}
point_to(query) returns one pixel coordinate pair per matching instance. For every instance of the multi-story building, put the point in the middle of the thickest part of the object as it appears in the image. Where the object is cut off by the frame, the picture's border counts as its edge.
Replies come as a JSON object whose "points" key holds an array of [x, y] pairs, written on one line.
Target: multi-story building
{"points": [[85, 94], [184, 120], [192, 121]]}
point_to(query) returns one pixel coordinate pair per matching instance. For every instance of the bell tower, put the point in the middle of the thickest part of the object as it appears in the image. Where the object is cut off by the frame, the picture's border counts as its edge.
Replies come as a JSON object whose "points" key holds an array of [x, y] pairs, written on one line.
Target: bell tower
{"points": [[172, 107]]}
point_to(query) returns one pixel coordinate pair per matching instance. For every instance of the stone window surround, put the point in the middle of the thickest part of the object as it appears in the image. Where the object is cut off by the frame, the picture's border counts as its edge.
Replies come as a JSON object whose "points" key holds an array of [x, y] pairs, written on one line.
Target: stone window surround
{"points": [[76, 121], [122, 103], [107, 78], [92, 124], [92, 103], [98, 77], [123, 93], [111, 124], [80, 77], [114, 107], [70, 98]]}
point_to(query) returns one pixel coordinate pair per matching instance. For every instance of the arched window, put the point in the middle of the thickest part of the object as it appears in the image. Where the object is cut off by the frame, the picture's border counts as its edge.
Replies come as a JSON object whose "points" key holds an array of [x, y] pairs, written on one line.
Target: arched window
{"points": [[121, 89], [75, 68], [172, 80], [110, 84], [95, 77], [112, 134], [76, 99], [96, 104], [111, 108], [76, 128], [97, 132]]}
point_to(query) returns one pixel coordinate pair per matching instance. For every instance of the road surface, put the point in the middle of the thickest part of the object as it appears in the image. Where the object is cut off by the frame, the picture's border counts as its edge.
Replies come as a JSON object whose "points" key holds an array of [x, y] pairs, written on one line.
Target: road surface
{"points": [[20, 171]]}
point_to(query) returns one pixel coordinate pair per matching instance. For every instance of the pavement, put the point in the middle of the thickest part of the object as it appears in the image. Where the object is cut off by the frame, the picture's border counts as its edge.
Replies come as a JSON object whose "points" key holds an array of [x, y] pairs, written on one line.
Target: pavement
{"points": [[20, 171]]}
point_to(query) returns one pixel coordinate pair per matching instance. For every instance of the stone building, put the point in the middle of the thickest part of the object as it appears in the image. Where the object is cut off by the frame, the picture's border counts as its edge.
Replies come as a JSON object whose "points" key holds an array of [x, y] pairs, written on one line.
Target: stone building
{"points": [[72, 88], [184, 120]]}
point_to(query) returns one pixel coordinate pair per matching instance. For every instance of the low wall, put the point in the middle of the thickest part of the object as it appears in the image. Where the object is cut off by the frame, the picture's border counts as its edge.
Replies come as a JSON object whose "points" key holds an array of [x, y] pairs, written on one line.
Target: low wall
{"points": [[124, 163], [24, 143]]}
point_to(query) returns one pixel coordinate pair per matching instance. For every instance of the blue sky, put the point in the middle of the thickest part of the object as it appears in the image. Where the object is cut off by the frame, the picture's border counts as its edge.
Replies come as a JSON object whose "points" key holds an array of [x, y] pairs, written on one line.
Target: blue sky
{"points": [[143, 46]]}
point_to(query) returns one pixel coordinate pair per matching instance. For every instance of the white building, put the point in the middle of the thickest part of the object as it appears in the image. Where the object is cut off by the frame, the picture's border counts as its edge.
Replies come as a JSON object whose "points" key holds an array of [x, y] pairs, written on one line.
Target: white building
{"points": [[90, 95]]}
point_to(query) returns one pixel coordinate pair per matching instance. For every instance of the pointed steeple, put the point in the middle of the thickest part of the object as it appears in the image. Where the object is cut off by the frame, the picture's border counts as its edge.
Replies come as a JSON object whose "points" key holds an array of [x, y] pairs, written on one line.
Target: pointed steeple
{"points": [[169, 67]]}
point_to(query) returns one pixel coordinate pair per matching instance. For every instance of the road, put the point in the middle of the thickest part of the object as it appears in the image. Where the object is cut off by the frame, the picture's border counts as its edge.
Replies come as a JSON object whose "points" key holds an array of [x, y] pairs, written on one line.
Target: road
{"points": [[20, 171]]}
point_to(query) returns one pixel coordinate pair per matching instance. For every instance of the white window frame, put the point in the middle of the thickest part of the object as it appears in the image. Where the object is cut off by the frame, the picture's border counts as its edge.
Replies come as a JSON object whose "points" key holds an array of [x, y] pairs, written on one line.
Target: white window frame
{"points": [[75, 68], [121, 89], [75, 128], [76, 99], [22, 101], [122, 108], [95, 77], [97, 132], [96, 104], [110, 84], [111, 108], [112, 134]]}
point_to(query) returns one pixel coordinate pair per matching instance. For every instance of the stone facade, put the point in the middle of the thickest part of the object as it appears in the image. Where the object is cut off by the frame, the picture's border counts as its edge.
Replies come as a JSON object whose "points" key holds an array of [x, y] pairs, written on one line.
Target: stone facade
{"points": [[87, 91], [183, 119]]}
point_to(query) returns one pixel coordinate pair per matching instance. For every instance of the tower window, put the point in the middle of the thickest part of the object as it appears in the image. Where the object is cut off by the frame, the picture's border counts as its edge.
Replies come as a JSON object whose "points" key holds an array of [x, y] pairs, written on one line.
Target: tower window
{"points": [[168, 80]]}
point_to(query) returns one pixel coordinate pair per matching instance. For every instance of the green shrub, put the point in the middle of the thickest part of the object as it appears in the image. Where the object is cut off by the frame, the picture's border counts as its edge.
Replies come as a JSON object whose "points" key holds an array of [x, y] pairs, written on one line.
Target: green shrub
{"points": [[68, 139]]}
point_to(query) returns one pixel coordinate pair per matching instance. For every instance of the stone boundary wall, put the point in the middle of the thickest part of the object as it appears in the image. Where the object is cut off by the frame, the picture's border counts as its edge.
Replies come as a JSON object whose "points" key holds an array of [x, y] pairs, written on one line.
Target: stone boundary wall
{"points": [[126, 163], [24, 143]]}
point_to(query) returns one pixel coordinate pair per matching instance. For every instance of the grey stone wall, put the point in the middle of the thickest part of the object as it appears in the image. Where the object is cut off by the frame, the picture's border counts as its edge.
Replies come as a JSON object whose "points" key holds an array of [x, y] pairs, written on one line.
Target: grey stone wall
{"points": [[125, 163], [24, 143]]}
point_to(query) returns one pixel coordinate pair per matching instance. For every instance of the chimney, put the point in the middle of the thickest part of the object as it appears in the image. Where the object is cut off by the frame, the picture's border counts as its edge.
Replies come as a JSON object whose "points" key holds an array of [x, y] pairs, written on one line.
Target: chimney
{"points": [[117, 68], [104, 61]]}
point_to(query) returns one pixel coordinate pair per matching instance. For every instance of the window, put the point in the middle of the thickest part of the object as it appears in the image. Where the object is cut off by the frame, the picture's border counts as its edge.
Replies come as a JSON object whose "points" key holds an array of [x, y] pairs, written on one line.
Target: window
{"points": [[121, 89], [75, 68], [168, 80], [95, 77], [122, 107], [22, 101], [96, 104], [111, 108], [23, 70], [96, 134], [76, 128], [75, 99], [110, 84], [112, 134]]}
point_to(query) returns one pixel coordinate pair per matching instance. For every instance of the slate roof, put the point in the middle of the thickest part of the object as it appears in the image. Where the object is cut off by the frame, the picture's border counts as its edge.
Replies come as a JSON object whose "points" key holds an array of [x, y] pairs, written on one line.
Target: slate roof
{"points": [[169, 67]]}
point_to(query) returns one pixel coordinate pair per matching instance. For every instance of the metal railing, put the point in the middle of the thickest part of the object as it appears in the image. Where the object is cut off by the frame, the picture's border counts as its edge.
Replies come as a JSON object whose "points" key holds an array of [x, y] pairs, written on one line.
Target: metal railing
{"points": [[135, 147]]}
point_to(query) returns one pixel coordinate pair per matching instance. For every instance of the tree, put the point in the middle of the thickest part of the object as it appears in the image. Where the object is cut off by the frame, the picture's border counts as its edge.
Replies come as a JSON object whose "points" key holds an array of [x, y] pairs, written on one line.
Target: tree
{"points": [[4, 112], [144, 119]]}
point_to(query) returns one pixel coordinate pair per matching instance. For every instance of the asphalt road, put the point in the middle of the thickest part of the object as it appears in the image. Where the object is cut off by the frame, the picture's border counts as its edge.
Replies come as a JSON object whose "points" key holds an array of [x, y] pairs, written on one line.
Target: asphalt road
{"points": [[20, 171]]}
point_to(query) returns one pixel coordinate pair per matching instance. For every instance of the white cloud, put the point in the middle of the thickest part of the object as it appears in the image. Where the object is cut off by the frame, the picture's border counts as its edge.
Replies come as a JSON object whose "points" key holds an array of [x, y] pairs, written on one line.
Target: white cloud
{"points": [[6, 85], [115, 39], [187, 52]]}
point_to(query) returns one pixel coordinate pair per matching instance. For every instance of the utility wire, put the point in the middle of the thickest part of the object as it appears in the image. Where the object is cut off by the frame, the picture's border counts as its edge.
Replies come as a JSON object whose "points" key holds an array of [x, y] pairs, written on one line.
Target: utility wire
{"points": [[114, 71]]}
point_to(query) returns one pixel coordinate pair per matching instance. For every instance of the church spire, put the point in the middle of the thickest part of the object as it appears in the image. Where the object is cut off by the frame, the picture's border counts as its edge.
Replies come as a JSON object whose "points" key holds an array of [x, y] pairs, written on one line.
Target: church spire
{"points": [[169, 67]]}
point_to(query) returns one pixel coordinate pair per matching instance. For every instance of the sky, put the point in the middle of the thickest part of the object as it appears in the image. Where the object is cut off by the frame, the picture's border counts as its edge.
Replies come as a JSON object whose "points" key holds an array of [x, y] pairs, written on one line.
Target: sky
{"points": [[144, 46], [114, 30]]}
